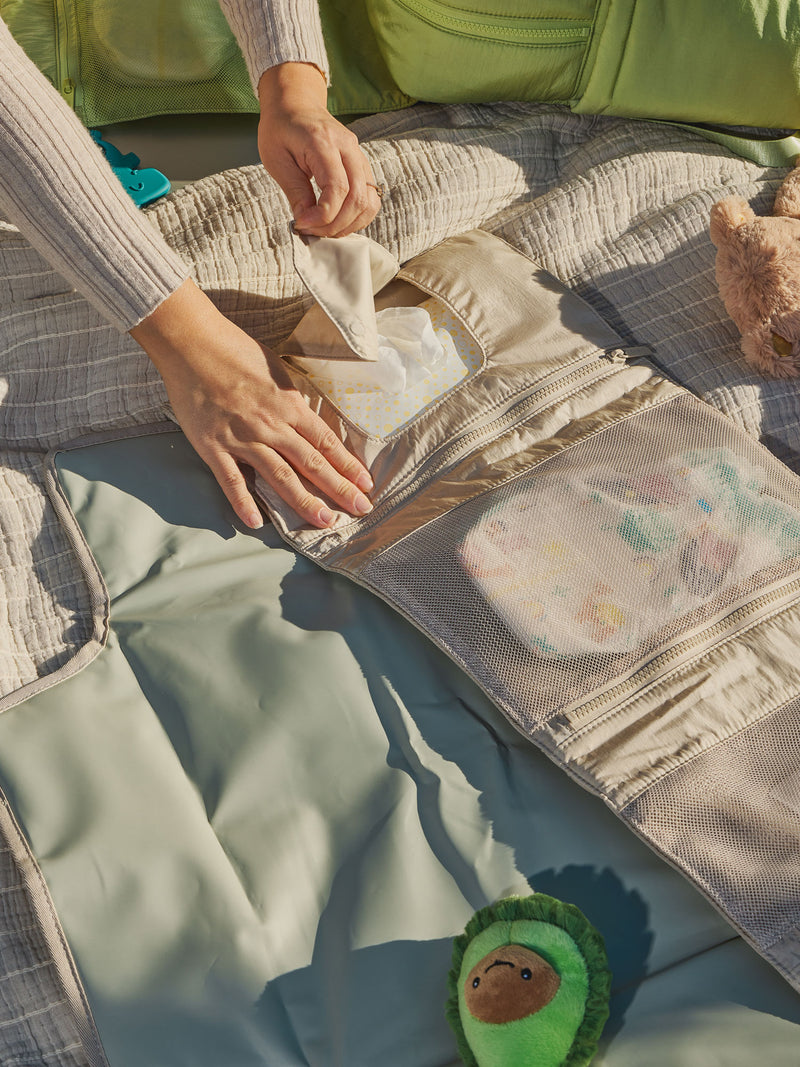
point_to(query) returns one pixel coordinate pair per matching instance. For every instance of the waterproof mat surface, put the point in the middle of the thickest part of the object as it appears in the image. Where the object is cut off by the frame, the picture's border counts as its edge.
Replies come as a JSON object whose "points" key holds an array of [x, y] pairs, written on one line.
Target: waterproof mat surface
{"points": [[267, 807]]}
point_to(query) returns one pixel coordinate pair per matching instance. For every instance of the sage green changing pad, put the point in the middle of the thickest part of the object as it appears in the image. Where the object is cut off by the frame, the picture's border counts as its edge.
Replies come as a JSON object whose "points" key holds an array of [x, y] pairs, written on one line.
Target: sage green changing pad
{"points": [[267, 807]]}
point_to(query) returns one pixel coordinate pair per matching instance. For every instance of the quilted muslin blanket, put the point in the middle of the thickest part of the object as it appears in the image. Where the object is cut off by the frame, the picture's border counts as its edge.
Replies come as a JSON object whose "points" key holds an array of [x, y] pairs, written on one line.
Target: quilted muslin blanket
{"points": [[616, 210]]}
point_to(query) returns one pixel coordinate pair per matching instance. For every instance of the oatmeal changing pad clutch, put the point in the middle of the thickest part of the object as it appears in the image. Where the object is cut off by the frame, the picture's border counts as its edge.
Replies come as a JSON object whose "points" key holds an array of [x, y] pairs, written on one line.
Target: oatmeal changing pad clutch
{"points": [[614, 562]]}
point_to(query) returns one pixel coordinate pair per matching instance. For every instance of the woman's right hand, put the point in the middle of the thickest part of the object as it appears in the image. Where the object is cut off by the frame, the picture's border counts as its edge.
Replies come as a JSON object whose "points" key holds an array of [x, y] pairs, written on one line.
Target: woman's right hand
{"points": [[299, 140], [236, 404]]}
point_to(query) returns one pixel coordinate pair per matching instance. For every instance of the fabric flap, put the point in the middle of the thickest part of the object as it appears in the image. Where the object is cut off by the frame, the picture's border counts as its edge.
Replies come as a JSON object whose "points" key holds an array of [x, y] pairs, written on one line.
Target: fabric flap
{"points": [[342, 274]]}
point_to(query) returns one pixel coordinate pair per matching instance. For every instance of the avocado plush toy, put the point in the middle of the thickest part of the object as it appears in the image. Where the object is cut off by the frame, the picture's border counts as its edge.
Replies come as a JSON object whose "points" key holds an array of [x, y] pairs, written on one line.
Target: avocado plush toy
{"points": [[529, 985]]}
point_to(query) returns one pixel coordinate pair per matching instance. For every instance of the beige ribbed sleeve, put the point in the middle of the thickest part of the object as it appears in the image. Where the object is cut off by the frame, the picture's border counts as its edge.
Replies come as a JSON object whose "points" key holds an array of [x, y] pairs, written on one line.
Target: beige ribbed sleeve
{"points": [[57, 188], [270, 32]]}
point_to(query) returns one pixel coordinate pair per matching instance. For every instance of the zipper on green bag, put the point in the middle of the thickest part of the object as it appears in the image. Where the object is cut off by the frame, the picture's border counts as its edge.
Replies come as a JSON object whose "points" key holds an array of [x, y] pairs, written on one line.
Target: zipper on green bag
{"points": [[66, 71]]}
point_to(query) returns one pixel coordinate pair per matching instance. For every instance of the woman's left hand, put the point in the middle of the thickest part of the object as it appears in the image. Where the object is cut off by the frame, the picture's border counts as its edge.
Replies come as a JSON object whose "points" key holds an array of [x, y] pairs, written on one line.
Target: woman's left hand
{"points": [[298, 139]]}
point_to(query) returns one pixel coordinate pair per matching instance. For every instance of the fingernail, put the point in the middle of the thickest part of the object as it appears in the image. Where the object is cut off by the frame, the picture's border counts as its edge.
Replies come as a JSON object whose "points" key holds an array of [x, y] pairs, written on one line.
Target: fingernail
{"points": [[325, 516], [363, 481], [361, 505], [254, 520]]}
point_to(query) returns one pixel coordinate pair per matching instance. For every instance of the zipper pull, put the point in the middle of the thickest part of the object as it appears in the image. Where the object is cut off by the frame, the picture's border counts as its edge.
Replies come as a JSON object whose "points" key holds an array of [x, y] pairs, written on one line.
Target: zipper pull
{"points": [[68, 91], [616, 355], [622, 355]]}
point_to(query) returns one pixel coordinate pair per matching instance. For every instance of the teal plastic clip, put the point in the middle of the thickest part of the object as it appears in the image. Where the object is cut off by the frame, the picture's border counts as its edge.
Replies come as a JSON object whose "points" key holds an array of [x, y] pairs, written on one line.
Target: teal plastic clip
{"points": [[143, 185]]}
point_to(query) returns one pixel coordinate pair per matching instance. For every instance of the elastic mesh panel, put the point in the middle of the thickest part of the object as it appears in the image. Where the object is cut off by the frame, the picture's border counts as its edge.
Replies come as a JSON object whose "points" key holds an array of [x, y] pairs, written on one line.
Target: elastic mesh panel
{"points": [[563, 579], [731, 819], [159, 59]]}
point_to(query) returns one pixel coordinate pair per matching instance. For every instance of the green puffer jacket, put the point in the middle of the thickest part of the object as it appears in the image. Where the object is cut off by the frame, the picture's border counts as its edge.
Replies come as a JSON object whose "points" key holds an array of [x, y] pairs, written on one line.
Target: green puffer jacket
{"points": [[688, 60]]}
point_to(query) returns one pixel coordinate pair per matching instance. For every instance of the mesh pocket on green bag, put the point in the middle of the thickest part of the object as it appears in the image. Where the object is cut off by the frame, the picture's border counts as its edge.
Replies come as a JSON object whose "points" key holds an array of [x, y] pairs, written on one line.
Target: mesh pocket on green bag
{"points": [[170, 58]]}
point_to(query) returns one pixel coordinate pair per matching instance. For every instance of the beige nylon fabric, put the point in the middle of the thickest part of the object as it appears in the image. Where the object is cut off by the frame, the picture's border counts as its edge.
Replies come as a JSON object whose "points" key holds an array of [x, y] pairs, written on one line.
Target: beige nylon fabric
{"points": [[720, 678], [342, 274], [626, 722], [532, 335]]}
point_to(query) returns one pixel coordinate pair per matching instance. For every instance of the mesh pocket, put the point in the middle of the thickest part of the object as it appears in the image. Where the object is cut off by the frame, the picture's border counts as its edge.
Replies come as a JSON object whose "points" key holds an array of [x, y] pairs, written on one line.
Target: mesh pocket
{"points": [[174, 58], [731, 819], [578, 572]]}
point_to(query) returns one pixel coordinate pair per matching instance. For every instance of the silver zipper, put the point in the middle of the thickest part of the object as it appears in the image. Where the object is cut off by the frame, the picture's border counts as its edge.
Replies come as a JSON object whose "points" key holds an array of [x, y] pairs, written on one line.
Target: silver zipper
{"points": [[549, 389], [725, 625]]}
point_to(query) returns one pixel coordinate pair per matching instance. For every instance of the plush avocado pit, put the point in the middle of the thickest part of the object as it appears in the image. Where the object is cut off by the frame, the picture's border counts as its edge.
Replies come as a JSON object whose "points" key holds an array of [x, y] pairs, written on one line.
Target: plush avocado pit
{"points": [[509, 983]]}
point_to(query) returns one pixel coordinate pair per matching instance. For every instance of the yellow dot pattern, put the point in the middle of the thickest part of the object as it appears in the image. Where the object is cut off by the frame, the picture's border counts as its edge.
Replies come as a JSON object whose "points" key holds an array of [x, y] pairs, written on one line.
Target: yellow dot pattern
{"points": [[379, 413]]}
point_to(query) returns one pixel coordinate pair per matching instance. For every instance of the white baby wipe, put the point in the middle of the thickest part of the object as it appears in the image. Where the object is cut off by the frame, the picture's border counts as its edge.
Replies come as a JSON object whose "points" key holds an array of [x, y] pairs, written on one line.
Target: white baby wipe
{"points": [[383, 368], [409, 350]]}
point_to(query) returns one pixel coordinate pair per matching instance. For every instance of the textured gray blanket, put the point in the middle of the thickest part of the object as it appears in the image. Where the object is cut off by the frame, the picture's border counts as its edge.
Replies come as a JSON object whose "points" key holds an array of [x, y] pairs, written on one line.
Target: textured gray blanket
{"points": [[617, 210]]}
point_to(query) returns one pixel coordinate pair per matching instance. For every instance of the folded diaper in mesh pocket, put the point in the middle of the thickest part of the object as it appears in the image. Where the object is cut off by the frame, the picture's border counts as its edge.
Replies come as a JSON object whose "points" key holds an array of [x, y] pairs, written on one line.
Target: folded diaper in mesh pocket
{"points": [[590, 561]]}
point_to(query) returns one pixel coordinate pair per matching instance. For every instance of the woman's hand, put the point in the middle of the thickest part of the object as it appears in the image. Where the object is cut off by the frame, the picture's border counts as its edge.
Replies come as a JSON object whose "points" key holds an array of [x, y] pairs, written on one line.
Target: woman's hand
{"points": [[298, 139], [236, 405]]}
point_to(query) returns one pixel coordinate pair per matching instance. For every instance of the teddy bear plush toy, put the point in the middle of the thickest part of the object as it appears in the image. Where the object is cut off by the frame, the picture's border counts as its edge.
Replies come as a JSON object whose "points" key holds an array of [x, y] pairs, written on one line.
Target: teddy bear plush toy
{"points": [[758, 274]]}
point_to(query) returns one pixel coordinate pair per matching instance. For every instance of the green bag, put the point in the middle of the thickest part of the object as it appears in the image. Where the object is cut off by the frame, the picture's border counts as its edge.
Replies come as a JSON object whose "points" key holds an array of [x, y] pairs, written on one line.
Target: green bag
{"points": [[671, 60], [113, 63], [684, 60]]}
